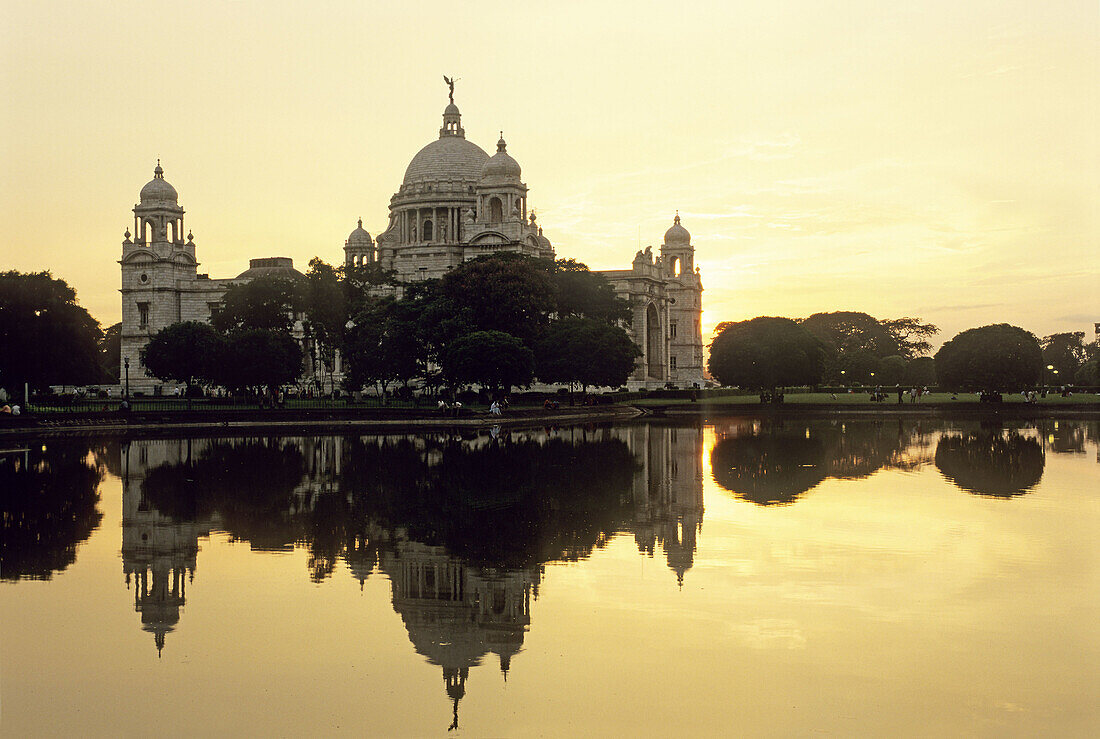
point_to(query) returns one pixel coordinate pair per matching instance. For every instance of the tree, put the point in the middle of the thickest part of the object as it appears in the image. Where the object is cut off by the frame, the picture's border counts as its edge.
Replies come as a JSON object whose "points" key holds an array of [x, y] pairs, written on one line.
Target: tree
{"points": [[858, 366], [910, 335], [581, 292], [850, 331], [891, 370], [995, 358], [585, 351], [503, 292], [182, 352], [767, 352], [1065, 352], [1088, 374], [267, 303], [324, 307], [257, 359], [491, 358], [46, 338], [110, 353], [920, 371]]}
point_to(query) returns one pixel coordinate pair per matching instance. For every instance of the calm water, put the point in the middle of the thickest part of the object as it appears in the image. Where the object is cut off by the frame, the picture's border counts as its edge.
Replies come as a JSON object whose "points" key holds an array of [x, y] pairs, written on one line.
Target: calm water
{"points": [[738, 578]]}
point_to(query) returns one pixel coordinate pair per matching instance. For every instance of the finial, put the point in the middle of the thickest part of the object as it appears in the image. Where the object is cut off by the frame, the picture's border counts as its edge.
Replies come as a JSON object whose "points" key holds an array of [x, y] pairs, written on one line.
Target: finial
{"points": [[360, 223], [158, 173], [501, 145], [190, 238], [677, 218], [126, 235], [451, 88]]}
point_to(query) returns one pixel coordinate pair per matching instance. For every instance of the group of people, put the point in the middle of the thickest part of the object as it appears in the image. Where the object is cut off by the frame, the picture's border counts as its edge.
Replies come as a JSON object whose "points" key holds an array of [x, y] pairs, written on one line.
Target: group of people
{"points": [[13, 410]]}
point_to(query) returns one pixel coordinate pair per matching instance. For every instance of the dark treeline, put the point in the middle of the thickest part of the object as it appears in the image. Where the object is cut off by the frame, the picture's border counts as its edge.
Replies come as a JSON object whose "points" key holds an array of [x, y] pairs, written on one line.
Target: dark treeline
{"points": [[847, 348], [497, 321]]}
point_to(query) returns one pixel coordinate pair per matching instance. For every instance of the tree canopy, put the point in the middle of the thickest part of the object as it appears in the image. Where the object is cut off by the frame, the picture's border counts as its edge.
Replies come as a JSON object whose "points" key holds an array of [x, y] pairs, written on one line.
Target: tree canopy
{"points": [[491, 358], [256, 359], [184, 352], [994, 358], [47, 338], [268, 303], [586, 351], [1065, 352], [767, 352]]}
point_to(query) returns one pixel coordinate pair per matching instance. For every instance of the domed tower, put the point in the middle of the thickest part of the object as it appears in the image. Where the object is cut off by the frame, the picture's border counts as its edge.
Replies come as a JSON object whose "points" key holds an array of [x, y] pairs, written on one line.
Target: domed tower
{"points": [[685, 291], [501, 195], [154, 264], [359, 248]]}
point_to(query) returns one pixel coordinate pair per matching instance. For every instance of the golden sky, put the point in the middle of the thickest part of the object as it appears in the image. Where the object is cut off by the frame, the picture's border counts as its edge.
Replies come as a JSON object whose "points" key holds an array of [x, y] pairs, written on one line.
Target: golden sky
{"points": [[937, 159]]}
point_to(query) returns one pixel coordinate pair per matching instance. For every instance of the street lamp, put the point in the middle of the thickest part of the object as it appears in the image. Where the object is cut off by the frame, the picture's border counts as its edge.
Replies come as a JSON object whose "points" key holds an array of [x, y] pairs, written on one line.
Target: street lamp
{"points": [[126, 365]]}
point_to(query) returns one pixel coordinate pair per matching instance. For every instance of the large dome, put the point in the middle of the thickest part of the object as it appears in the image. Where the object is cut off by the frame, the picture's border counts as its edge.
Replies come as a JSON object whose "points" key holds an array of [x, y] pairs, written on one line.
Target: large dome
{"points": [[447, 158], [158, 189]]}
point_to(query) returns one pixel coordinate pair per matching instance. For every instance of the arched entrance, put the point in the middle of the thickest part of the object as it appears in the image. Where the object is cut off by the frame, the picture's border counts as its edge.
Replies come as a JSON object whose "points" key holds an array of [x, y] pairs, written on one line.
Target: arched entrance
{"points": [[653, 344]]}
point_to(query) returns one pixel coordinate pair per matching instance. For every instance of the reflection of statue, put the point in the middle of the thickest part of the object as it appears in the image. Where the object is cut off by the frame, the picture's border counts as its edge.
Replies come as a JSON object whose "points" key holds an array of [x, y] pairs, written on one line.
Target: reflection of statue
{"points": [[995, 465], [451, 85]]}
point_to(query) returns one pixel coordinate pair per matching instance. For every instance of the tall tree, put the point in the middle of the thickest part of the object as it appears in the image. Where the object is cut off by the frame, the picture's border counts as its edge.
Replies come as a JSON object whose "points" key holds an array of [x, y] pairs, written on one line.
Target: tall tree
{"points": [[583, 293], [503, 292], [851, 331], [324, 310], [256, 359], [585, 351], [46, 338], [266, 303], [491, 358], [995, 358], [911, 335], [110, 353], [767, 352], [183, 352], [1065, 352]]}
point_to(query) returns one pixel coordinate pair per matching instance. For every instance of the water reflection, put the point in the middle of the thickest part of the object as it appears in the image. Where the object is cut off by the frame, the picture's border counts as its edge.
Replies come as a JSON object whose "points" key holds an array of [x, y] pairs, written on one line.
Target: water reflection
{"points": [[461, 525], [49, 502], [775, 462], [991, 462]]}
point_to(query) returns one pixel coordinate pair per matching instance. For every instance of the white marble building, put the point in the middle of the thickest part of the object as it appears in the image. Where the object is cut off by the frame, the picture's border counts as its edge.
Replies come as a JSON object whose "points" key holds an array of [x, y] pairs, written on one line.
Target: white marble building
{"points": [[454, 204]]}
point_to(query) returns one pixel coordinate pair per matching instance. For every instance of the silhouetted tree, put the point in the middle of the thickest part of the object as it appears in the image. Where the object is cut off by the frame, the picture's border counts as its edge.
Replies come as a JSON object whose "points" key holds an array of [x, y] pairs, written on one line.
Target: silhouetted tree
{"points": [[585, 351], [185, 352], [491, 358], [766, 353], [994, 358], [46, 338]]}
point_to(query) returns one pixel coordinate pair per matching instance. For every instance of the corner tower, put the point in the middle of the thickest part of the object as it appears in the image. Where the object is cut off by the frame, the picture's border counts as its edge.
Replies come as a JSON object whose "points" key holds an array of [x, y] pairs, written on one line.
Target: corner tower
{"points": [[156, 263], [685, 292]]}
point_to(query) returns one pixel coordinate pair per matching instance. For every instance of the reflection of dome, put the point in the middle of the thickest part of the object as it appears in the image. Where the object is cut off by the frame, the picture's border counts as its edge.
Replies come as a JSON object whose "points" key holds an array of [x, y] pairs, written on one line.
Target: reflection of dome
{"points": [[677, 234], [158, 189], [270, 267], [501, 165], [447, 158], [359, 237], [995, 466]]}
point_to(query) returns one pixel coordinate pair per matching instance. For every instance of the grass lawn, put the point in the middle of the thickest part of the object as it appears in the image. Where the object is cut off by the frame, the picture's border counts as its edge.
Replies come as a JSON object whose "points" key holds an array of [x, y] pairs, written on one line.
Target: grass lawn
{"points": [[863, 399]]}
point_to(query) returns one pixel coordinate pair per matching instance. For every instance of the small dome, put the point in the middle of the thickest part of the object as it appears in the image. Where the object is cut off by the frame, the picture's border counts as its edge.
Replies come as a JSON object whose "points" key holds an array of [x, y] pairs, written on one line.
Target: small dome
{"points": [[501, 164], [158, 189], [543, 241], [677, 234], [359, 236], [451, 109]]}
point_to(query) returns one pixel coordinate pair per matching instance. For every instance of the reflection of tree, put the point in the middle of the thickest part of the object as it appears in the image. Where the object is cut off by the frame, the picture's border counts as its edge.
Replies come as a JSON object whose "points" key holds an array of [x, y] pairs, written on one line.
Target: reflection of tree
{"points": [[991, 464], [504, 504], [249, 484], [769, 469], [49, 506], [775, 464]]}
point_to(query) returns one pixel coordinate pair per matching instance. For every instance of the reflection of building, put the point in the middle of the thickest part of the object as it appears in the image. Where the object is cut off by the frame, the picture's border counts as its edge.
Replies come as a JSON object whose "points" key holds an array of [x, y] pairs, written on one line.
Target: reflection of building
{"points": [[455, 613], [157, 552], [668, 491]]}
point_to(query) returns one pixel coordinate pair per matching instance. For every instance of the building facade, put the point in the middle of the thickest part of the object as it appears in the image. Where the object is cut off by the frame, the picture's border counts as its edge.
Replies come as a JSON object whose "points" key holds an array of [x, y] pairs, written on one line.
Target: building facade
{"points": [[455, 203]]}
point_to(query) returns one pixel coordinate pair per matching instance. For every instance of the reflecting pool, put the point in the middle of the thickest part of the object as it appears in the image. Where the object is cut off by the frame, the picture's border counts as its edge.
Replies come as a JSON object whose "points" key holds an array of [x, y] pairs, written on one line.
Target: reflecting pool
{"points": [[736, 576]]}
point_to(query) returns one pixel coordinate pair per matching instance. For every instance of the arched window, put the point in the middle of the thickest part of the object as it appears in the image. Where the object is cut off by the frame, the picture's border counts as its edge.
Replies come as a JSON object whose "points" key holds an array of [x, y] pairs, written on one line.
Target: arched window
{"points": [[147, 232], [674, 267], [427, 230], [171, 232], [496, 211]]}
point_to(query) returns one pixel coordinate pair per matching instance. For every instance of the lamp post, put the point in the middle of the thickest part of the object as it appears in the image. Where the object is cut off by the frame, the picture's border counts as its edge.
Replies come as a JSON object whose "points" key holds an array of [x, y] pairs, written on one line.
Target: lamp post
{"points": [[1049, 367], [126, 366]]}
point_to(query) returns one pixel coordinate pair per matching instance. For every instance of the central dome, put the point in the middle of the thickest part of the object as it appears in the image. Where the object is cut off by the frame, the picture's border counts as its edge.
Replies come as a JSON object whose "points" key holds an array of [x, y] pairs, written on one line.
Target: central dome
{"points": [[447, 158]]}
